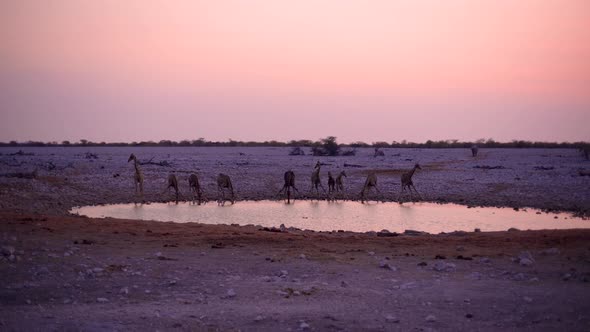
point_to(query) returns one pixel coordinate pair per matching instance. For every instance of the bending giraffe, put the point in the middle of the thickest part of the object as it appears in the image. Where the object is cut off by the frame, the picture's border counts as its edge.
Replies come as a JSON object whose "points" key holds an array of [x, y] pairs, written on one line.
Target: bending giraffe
{"points": [[407, 182], [173, 183], [195, 188], [370, 182], [138, 176], [224, 182], [289, 178], [331, 183], [315, 179], [339, 182]]}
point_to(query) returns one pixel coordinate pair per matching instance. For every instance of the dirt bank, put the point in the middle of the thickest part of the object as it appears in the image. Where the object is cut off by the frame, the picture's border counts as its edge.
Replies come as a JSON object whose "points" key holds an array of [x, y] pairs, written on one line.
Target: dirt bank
{"points": [[72, 273]]}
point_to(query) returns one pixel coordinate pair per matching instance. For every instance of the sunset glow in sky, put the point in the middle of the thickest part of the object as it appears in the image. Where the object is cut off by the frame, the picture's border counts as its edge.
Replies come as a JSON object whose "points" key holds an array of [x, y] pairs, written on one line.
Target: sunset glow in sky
{"points": [[375, 70]]}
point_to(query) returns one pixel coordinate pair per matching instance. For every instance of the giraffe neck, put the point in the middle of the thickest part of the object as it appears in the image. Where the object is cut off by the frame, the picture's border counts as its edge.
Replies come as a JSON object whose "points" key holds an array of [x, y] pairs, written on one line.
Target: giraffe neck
{"points": [[411, 173], [136, 164]]}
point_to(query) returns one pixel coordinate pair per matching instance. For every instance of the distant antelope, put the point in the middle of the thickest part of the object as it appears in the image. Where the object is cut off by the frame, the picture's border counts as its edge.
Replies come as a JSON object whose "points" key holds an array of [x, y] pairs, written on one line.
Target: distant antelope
{"points": [[138, 176], [406, 181], [370, 182], [585, 150], [173, 183], [378, 153], [315, 179], [474, 150], [224, 182], [289, 178], [195, 188]]}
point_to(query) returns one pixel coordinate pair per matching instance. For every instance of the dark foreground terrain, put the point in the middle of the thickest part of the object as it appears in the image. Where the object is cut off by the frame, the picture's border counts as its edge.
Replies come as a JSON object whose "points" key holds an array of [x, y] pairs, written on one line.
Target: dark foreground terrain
{"points": [[72, 273]]}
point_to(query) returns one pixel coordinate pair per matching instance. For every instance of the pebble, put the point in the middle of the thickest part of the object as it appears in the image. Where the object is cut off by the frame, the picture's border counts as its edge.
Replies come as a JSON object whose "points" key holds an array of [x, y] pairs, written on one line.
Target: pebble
{"points": [[550, 252], [519, 277], [386, 265], [527, 299], [102, 300], [303, 326], [525, 259], [431, 318], [258, 318], [444, 267], [476, 276], [302, 256], [8, 250], [124, 290], [230, 293], [392, 319]]}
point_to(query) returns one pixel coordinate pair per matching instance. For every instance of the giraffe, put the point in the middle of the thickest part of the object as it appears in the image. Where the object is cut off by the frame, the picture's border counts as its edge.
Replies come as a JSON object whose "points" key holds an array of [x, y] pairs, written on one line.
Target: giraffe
{"points": [[138, 177], [339, 183], [378, 153], [406, 181], [315, 179], [331, 183], [338, 186], [195, 188], [223, 182], [474, 150], [370, 182], [173, 183], [289, 178]]}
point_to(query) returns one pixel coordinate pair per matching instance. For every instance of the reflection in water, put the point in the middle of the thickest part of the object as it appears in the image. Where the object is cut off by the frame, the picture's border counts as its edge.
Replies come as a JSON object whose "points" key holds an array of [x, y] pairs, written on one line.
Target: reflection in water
{"points": [[349, 216]]}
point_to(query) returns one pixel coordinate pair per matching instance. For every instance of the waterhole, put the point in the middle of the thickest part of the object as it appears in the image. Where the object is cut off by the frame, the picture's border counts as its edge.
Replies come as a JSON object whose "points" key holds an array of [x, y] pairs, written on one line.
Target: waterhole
{"points": [[347, 216]]}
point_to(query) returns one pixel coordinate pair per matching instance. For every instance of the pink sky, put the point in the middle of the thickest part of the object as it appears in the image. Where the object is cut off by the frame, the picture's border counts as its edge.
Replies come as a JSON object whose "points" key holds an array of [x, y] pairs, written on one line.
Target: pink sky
{"points": [[259, 70]]}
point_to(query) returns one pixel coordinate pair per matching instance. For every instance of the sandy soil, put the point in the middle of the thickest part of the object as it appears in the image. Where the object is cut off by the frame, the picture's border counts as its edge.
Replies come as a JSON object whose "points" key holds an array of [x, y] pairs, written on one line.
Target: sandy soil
{"points": [[73, 273], [69, 273]]}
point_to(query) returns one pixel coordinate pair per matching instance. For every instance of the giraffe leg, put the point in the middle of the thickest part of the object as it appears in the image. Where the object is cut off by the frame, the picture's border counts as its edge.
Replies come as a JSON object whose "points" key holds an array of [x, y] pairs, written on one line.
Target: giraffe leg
{"points": [[419, 196], [280, 192], [401, 192]]}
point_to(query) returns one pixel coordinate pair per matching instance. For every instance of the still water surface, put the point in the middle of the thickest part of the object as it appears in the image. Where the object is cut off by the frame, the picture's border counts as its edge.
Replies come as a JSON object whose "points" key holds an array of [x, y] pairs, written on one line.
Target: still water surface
{"points": [[348, 216]]}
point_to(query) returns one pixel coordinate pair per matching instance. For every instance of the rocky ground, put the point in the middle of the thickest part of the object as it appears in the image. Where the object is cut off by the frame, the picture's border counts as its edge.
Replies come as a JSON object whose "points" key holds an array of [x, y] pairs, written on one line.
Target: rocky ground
{"points": [[68, 273], [540, 178], [73, 273]]}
